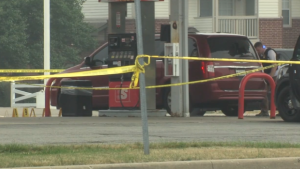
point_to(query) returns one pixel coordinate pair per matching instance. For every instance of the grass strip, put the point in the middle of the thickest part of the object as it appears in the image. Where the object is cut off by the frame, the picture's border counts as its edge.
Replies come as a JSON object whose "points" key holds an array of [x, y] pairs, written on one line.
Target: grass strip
{"points": [[15, 155]]}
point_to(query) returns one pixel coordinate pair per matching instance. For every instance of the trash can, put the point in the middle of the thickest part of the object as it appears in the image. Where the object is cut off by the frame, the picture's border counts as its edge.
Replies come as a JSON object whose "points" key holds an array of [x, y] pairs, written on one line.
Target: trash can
{"points": [[76, 102]]}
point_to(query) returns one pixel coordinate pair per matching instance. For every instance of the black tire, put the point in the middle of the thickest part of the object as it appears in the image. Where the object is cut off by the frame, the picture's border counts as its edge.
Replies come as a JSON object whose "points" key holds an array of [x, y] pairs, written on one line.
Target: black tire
{"points": [[231, 111], [285, 108], [167, 92], [166, 99]]}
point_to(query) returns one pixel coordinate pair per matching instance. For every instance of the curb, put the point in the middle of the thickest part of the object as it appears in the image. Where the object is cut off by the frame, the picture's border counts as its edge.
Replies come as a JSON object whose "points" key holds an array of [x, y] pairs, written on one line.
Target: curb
{"points": [[269, 163]]}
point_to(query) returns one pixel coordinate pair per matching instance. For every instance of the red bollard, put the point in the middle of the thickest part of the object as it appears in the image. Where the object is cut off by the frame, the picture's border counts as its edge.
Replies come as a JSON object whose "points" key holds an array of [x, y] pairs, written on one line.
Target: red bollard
{"points": [[47, 97], [242, 93]]}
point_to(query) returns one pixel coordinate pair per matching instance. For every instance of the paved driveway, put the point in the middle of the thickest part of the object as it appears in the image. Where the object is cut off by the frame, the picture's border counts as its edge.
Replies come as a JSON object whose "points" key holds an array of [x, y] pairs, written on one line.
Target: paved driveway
{"points": [[57, 130]]}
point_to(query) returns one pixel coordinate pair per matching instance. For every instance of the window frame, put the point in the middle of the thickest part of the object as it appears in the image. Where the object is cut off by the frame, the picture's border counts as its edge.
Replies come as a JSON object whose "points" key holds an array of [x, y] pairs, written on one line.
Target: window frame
{"points": [[290, 16], [233, 5], [244, 39], [199, 10]]}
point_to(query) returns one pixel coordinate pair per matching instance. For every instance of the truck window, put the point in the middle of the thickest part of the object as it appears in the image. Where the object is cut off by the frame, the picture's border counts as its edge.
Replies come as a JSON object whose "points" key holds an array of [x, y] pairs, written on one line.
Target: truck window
{"points": [[231, 47], [193, 50], [101, 55]]}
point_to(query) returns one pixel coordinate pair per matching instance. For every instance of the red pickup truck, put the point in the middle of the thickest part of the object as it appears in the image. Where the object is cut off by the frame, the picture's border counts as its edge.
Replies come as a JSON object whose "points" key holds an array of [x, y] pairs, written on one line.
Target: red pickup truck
{"points": [[218, 95]]}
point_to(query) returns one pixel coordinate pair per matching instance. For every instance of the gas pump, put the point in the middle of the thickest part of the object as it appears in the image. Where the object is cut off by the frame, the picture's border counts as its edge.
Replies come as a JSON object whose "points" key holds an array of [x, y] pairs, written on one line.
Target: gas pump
{"points": [[122, 51]]}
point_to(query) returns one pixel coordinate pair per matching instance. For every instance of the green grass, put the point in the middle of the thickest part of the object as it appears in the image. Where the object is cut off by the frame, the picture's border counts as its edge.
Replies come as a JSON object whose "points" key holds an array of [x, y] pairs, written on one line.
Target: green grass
{"points": [[14, 155]]}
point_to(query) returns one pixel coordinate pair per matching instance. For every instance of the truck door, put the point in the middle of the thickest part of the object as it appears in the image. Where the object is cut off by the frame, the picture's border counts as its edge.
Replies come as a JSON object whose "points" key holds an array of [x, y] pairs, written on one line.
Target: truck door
{"points": [[294, 72], [99, 60]]}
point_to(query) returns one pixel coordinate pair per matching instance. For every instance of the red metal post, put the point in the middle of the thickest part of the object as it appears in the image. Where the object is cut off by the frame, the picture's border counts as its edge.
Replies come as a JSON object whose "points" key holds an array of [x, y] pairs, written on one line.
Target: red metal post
{"points": [[47, 97], [242, 93]]}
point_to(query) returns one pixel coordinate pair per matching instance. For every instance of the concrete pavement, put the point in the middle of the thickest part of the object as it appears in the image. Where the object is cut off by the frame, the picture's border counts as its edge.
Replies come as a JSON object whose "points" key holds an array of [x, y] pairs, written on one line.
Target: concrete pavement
{"points": [[78, 130]]}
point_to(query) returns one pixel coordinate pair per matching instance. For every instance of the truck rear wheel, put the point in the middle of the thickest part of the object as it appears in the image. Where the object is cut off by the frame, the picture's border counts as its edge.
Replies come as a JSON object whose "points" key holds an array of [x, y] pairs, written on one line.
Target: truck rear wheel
{"points": [[285, 106], [167, 100]]}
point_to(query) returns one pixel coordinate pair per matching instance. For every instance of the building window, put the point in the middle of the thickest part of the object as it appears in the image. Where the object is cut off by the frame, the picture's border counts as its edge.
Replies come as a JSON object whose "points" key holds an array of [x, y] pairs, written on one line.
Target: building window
{"points": [[206, 8], [286, 12], [226, 7], [250, 7]]}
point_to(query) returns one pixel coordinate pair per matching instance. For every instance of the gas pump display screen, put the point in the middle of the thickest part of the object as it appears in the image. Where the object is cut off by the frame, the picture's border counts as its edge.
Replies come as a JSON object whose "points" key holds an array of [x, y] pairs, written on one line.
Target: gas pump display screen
{"points": [[122, 47], [127, 42], [113, 42]]}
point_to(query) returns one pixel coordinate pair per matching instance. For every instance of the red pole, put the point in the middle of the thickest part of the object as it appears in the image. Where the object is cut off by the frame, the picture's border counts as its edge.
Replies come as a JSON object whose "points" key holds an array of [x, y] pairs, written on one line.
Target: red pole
{"points": [[242, 93], [272, 105], [241, 98], [47, 97]]}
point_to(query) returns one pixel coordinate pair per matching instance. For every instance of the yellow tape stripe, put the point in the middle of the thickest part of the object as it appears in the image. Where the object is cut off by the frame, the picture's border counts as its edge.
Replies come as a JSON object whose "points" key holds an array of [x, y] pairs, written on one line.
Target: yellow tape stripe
{"points": [[166, 85], [98, 72], [30, 70], [222, 60]]}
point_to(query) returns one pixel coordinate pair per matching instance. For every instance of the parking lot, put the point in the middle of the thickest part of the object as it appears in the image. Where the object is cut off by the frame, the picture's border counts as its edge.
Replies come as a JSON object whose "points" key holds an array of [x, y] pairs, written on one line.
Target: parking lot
{"points": [[79, 130]]}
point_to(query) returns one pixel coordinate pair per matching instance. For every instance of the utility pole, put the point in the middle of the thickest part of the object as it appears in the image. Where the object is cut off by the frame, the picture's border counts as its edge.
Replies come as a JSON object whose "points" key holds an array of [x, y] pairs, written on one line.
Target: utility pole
{"points": [[176, 91], [46, 37], [142, 80], [183, 51], [179, 34]]}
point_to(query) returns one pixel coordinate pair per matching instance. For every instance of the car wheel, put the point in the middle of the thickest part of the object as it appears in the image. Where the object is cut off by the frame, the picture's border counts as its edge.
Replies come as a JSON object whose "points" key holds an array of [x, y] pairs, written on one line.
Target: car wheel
{"points": [[167, 100], [285, 106], [231, 110]]}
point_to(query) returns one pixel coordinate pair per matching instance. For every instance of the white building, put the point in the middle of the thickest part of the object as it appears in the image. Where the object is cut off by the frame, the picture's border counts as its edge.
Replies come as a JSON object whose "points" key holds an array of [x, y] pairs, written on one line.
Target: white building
{"points": [[275, 22]]}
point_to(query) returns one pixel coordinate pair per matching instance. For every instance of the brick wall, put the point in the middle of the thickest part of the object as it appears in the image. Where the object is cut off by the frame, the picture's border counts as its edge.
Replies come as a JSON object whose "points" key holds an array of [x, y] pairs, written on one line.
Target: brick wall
{"points": [[271, 32], [130, 25], [290, 34]]}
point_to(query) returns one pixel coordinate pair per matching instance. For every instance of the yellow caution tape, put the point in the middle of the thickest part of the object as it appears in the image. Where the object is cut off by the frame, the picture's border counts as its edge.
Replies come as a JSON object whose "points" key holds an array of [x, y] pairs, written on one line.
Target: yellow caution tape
{"points": [[165, 85], [99, 72], [138, 68], [30, 70], [220, 59]]}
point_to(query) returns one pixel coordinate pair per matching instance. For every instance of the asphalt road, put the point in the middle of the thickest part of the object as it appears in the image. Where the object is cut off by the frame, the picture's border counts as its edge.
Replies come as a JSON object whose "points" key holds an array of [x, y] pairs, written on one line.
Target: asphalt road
{"points": [[79, 130]]}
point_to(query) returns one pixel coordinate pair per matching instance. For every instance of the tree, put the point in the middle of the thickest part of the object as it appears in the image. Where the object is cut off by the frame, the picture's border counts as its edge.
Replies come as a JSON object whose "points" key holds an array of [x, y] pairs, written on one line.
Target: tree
{"points": [[23, 43], [13, 37]]}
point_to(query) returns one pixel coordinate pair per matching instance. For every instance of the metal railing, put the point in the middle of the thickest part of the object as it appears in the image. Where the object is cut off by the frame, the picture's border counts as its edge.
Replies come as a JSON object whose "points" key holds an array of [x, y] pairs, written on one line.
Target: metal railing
{"points": [[244, 25]]}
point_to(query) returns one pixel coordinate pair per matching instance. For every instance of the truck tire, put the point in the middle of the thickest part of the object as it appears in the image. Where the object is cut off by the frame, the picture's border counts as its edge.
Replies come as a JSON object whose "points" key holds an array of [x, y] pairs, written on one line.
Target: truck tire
{"points": [[285, 107], [167, 99], [167, 104]]}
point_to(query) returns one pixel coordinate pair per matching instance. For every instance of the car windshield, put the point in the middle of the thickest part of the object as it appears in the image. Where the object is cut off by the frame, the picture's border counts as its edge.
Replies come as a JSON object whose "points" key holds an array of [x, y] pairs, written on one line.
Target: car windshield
{"points": [[231, 47]]}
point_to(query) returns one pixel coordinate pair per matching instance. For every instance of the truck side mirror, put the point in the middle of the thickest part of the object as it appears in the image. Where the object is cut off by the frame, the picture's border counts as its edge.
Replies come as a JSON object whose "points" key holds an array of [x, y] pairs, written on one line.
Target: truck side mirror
{"points": [[87, 61]]}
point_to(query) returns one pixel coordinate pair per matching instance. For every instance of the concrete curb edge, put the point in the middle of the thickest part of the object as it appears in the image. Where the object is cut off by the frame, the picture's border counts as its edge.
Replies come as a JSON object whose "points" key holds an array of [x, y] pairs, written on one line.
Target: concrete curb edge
{"points": [[266, 163]]}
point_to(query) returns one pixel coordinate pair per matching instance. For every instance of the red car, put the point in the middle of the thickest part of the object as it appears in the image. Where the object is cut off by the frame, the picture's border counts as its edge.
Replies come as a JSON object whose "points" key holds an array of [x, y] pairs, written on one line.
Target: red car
{"points": [[217, 95]]}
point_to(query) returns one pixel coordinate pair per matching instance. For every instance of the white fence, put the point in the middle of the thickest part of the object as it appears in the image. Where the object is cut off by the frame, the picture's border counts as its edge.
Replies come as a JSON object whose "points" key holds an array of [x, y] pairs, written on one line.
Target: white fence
{"points": [[244, 25], [39, 96]]}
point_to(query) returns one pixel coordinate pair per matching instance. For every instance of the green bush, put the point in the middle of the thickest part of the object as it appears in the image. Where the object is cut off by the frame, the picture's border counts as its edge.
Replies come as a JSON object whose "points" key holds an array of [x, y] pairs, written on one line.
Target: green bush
{"points": [[4, 94]]}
